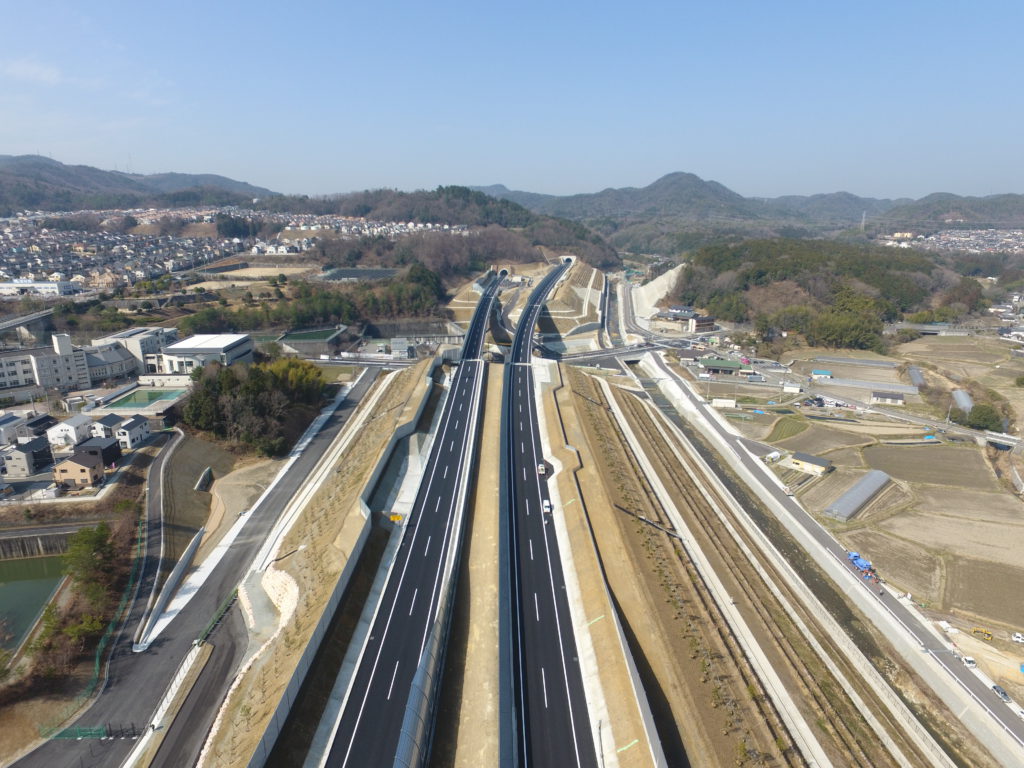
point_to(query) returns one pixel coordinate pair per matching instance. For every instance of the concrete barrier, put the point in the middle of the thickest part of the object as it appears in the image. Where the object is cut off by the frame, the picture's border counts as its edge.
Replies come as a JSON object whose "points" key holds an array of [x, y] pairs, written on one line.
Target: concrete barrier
{"points": [[143, 640], [288, 697]]}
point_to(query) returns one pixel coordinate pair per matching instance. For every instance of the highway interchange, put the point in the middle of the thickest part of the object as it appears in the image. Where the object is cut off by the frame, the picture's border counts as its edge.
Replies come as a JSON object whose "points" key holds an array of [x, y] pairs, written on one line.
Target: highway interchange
{"points": [[547, 707]]}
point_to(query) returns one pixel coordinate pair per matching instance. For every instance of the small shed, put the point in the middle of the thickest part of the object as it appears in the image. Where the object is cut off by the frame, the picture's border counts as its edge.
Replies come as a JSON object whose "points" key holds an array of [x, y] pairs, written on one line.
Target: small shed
{"points": [[821, 374], [807, 463], [858, 496], [887, 398], [714, 364]]}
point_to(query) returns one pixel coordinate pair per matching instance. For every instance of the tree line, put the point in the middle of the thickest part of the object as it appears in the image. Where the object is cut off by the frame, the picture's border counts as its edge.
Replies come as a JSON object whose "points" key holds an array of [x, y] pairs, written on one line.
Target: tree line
{"points": [[250, 404]]}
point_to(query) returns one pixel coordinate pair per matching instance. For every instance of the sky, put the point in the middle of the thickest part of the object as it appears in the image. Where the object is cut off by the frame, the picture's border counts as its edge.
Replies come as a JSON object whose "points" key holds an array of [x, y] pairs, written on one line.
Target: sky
{"points": [[893, 99]]}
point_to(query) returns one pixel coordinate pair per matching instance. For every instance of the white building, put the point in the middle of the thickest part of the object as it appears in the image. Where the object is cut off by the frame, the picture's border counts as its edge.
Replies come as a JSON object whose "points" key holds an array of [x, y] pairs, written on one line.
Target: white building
{"points": [[132, 433], [141, 342], [106, 426], [63, 368], [71, 431], [196, 351], [41, 288]]}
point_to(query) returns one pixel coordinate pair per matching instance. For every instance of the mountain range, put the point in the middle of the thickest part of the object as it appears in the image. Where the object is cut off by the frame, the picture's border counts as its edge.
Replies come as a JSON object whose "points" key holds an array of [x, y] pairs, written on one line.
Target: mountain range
{"points": [[686, 196], [681, 210], [35, 182]]}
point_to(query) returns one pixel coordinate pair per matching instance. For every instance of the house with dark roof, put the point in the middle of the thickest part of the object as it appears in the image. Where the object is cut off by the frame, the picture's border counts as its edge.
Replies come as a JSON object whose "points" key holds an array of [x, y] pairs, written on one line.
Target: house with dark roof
{"points": [[80, 470], [107, 448], [887, 398], [36, 426], [107, 426], [28, 458], [133, 433], [805, 462]]}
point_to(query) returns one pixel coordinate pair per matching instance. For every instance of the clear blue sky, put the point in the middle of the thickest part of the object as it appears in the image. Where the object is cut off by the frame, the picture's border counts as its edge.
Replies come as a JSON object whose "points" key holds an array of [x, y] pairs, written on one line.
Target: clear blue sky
{"points": [[883, 99]]}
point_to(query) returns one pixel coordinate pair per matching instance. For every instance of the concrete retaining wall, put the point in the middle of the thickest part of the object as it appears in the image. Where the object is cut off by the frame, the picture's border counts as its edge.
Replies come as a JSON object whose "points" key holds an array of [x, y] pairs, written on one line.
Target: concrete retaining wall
{"points": [[37, 545], [284, 707]]}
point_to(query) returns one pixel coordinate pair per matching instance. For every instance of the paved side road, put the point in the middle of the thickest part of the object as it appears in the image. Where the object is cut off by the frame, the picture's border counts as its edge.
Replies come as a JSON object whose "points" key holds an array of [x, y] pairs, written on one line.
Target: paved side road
{"points": [[136, 681], [995, 724]]}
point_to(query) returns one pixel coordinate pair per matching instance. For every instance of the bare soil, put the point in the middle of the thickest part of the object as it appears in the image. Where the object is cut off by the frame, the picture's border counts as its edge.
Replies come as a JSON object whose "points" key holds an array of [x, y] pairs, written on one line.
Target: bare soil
{"points": [[961, 466], [987, 589], [186, 510], [818, 440], [903, 564]]}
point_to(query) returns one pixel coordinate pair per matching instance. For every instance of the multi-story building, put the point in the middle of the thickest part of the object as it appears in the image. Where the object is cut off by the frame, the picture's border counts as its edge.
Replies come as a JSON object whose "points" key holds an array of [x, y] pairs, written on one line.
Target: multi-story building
{"points": [[141, 342], [196, 351], [64, 368]]}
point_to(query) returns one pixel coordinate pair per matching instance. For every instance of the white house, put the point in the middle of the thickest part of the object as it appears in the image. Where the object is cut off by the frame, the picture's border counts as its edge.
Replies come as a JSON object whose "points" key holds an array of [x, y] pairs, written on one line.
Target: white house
{"points": [[132, 433], [71, 431], [107, 426]]}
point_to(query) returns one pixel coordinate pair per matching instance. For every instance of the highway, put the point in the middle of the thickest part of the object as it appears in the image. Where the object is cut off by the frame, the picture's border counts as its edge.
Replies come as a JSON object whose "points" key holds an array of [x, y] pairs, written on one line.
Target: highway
{"points": [[135, 682], [368, 727], [551, 720]]}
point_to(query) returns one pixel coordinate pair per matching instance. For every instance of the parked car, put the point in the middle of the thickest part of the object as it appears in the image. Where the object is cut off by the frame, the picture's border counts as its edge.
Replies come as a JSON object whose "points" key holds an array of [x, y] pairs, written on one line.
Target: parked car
{"points": [[1017, 637], [1001, 693], [969, 662]]}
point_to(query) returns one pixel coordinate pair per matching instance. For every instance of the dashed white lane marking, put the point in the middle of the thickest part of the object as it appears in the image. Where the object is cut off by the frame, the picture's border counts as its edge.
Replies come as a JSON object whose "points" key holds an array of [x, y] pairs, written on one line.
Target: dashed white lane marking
{"points": [[522, 447], [536, 606], [416, 591], [445, 471], [395, 673], [426, 548], [543, 682], [531, 550]]}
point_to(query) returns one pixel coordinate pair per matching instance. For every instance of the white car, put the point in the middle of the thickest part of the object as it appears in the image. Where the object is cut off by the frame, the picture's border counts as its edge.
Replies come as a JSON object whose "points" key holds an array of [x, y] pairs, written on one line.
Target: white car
{"points": [[969, 662], [547, 506], [541, 469], [1017, 637]]}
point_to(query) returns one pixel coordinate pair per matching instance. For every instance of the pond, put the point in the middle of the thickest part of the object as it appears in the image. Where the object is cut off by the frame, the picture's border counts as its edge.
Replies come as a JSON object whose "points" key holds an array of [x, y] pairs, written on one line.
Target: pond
{"points": [[25, 587]]}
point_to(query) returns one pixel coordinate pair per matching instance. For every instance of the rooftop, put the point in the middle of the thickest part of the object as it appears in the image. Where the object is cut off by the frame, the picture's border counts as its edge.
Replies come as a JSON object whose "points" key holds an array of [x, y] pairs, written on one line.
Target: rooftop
{"points": [[210, 342]]}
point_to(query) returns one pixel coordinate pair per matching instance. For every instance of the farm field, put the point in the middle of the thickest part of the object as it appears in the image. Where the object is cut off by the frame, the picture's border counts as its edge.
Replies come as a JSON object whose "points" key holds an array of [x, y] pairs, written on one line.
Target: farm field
{"points": [[973, 505], [979, 539], [986, 589], [937, 464], [901, 562], [847, 371], [816, 439]]}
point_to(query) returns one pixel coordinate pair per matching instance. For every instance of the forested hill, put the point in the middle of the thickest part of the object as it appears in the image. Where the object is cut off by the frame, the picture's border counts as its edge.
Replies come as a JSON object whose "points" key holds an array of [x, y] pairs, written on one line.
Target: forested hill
{"points": [[943, 209], [685, 197], [838, 294], [31, 182], [458, 205]]}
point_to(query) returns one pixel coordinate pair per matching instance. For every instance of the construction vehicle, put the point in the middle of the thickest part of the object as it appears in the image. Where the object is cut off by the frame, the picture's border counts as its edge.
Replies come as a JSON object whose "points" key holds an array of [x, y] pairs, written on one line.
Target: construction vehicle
{"points": [[981, 632]]}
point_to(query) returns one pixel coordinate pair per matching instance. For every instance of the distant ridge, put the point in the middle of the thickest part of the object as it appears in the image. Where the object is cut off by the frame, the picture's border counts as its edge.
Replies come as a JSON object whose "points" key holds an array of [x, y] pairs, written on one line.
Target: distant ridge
{"points": [[36, 182], [685, 197]]}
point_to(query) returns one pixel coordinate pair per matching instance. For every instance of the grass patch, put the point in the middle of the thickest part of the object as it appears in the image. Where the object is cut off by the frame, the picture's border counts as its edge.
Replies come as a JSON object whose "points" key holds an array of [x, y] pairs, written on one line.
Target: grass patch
{"points": [[785, 428]]}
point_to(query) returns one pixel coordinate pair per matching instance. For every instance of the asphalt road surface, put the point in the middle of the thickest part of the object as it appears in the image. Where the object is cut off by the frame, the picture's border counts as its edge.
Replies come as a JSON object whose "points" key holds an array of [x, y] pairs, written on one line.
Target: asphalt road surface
{"points": [[552, 721], [136, 682], [369, 725]]}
